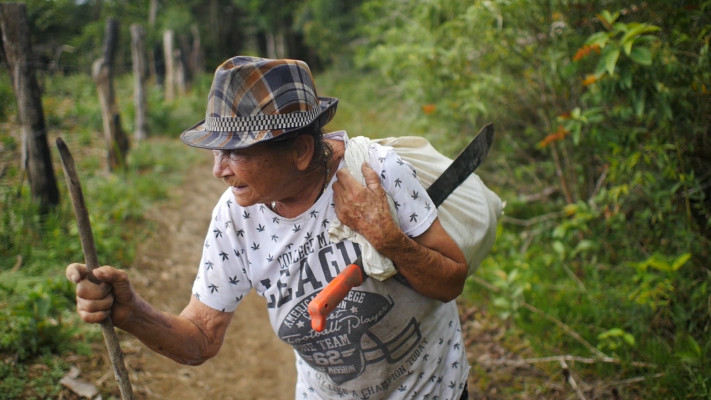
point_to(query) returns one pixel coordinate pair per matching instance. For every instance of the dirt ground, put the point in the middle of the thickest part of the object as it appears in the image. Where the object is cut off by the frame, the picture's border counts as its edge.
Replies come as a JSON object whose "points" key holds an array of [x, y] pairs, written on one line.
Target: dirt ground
{"points": [[163, 272]]}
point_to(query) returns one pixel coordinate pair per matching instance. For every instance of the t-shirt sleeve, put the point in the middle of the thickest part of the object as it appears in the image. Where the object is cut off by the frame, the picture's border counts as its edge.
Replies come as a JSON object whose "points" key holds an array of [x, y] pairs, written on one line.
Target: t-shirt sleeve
{"points": [[222, 280], [399, 178]]}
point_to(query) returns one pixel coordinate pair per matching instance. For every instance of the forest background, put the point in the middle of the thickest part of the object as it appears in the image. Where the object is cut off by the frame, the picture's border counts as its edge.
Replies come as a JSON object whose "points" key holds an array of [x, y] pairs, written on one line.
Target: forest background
{"points": [[602, 112]]}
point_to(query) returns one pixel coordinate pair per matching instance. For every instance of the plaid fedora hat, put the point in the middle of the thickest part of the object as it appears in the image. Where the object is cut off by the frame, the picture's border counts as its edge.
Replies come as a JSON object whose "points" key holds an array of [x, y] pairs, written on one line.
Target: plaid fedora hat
{"points": [[253, 100]]}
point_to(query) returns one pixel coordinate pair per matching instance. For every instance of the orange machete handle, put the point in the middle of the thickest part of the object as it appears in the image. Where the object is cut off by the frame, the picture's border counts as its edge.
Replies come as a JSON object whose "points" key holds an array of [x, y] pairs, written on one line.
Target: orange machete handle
{"points": [[336, 290]]}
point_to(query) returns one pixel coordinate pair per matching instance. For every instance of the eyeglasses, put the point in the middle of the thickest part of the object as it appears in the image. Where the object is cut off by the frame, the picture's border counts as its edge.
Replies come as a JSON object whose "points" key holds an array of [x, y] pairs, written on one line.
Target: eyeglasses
{"points": [[229, 154]]}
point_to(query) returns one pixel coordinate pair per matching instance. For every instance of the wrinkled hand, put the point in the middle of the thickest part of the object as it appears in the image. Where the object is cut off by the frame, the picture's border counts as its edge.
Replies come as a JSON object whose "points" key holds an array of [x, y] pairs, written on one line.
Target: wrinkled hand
{"points": [[113, 296], [364, 208]]}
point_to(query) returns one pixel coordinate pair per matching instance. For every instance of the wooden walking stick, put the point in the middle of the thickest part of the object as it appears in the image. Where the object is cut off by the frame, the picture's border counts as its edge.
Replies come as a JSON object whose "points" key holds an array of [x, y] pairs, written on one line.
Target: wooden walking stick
{"points": [[87, 244]]}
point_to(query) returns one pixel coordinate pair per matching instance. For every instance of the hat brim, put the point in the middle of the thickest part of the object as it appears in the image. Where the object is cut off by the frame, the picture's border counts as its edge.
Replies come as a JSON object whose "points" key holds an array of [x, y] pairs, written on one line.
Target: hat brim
{"points": [[199, 136]]}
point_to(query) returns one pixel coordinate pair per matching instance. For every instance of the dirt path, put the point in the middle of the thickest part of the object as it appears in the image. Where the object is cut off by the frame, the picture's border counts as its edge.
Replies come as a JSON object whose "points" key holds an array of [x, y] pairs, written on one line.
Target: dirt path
{"points": [[252, 364]]}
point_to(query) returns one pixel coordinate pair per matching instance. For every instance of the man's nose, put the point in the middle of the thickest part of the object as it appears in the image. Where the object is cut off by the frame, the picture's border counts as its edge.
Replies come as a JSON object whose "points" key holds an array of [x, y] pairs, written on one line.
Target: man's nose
{"points": [[220, 167]]}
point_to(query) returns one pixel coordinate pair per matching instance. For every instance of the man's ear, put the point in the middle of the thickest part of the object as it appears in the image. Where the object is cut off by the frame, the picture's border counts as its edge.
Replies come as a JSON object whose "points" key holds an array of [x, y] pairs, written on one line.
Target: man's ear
{"points": [[304, 151]]}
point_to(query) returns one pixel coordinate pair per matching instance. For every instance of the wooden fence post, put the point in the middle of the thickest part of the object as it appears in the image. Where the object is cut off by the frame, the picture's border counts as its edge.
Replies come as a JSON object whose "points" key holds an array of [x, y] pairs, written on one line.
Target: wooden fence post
{"points": [[138, 53], [197, 63], [36, 157], [169, 85], [102, 72]]}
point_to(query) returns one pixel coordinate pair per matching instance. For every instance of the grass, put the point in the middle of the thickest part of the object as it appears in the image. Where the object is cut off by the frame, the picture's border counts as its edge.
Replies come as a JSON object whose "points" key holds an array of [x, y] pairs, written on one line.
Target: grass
{"points": [[38, 325]]}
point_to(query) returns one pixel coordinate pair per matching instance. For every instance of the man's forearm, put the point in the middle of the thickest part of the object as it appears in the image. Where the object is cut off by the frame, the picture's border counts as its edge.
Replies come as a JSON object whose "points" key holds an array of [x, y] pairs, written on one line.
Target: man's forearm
{"points": [[439, 274], [174, 336]]}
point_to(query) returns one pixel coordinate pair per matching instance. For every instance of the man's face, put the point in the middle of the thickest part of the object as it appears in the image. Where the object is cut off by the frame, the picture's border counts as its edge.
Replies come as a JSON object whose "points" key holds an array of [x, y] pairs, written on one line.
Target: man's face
{"points": [[257, 174]]}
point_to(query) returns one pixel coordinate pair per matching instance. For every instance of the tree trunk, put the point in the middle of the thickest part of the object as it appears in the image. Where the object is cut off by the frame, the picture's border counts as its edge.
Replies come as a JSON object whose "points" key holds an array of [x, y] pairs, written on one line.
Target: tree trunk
{"points": [[138, 53], [36, 157], [271, 46], [102, 71], [152, 58], [168, 86], [184, 74], [152, 13], [197, 63]]}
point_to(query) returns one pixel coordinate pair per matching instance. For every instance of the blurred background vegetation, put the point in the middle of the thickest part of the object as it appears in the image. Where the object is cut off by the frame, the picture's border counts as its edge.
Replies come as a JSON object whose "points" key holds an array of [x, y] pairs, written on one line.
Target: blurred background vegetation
{"points": [[603, 154]]}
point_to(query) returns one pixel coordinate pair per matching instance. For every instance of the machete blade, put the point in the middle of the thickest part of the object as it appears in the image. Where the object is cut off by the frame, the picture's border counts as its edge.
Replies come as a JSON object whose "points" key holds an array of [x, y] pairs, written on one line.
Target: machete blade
{"points": [[462, 166]]}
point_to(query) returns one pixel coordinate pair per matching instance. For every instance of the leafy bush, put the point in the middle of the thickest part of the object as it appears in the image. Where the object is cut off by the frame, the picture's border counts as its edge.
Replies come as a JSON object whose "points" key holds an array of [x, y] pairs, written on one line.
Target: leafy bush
{"points": [[605, 116], [43, 379], [34, 326], [7, 96]]}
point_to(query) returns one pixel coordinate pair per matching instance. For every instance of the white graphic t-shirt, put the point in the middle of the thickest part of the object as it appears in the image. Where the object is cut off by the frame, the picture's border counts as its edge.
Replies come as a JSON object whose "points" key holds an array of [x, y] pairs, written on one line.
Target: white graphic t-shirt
{"points": [[384, 341]]}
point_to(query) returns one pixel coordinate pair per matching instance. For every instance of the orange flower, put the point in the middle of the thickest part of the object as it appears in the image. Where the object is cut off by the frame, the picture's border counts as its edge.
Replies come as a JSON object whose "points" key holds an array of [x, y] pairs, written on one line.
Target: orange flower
{"points": [[589, 79], [585, 50], [558, 135], [429, 108]]}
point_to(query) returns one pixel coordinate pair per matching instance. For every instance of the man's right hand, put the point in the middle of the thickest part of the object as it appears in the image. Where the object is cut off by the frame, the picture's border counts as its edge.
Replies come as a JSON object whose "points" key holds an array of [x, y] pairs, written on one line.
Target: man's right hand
{"points": [[113, 296]]}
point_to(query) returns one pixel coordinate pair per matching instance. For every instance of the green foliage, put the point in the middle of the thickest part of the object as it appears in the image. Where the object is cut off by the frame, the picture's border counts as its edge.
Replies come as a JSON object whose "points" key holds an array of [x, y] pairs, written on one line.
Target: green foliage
{"points": [[169, 119], [37, 381], [607, 104], [329, 28], [7, 96], [37, 317], [34, 326]]}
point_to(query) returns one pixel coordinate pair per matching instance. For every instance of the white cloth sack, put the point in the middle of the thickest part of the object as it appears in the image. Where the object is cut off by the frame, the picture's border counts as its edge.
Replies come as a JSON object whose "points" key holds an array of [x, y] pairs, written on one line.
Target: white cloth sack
{"points": [[374, 263], [469, 214]]}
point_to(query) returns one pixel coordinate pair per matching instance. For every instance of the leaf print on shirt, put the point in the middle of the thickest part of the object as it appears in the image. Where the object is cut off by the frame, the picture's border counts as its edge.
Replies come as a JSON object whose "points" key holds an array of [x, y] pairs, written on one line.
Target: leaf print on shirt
{"points": [[255, 246], [415, 195], [260, 228], [217, 232], [209, 265], [245, 214], [398, 182], [213, 288], [234, 280], [224, 256], [240, 232], [275, 220], [413, 217], [296, 228], [314, 214]]}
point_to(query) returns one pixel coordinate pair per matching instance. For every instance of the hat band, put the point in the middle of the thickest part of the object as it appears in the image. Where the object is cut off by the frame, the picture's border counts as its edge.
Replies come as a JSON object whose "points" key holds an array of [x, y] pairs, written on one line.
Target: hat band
{"points": [[256, 123]]}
